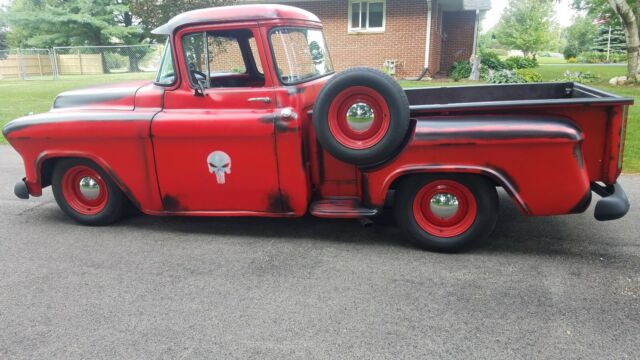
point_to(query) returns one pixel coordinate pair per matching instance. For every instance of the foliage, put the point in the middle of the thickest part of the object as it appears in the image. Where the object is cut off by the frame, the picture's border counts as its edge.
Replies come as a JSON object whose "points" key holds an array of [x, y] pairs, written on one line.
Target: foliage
{"points": [[526, 25], [618, 40], [153, 13], [460, 70], [529, 75], [626, 13], [491, 60], [570, 51], [47, 23], [519, 62], [594, 57], [572, 60], [579, 36], [504, 77], [581, 77], [3, 28]]}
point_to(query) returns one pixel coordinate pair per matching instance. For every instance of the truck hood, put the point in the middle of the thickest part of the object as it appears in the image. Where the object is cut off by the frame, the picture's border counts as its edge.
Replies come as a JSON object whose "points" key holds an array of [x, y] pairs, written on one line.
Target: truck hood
{"points": [[106, 97]]}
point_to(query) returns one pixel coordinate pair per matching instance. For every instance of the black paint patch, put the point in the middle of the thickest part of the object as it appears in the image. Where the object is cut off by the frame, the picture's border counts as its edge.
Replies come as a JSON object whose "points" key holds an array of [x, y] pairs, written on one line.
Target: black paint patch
{"points": [[79, 100], [496, 128], [295, 90], [278, 203], [267, 119], [366, 197], [583, 204], [124, 188], [505, 175], [171, 203]]}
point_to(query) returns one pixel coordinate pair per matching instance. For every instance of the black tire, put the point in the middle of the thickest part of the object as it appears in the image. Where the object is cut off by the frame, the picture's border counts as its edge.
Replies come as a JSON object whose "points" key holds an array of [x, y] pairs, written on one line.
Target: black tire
{"points": [[398, 114], [116, 201], [486, 200]]}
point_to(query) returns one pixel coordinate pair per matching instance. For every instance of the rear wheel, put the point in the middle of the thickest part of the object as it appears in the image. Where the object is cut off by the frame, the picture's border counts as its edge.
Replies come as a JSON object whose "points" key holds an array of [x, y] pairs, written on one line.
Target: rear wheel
{"points": [[446, 212], [86, 194]]}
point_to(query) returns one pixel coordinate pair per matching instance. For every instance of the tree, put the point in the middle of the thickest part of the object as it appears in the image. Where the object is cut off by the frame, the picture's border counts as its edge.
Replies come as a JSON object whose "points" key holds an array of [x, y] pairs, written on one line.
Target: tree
{"points": [[3, 28], [47, 23], [153, 13], [627, 11], [618, 40], [580, 36], [526, 25]]}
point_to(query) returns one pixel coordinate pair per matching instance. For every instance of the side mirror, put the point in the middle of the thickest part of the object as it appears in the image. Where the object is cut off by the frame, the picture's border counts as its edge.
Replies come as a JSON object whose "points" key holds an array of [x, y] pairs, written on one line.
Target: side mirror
{"points": [[200, 88]]}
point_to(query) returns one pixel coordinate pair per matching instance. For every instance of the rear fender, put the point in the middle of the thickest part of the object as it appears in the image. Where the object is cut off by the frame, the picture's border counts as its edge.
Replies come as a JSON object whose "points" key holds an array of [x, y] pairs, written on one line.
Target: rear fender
{"points": [[494, 175]]}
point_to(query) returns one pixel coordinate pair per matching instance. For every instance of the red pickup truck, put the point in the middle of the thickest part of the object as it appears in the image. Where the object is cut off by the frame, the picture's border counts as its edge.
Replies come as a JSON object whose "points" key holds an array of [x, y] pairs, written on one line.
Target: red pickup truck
{"points": [[246, 117]]}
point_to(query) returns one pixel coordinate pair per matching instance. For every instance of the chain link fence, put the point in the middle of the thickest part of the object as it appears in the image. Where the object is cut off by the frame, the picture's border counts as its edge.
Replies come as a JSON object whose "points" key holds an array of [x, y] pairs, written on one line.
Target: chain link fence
{"points": [[27, 64]]}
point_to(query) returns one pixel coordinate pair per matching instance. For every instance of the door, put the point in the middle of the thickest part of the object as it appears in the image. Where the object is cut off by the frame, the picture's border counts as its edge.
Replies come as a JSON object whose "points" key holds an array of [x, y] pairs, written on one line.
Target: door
{"points": [[214, 142]]}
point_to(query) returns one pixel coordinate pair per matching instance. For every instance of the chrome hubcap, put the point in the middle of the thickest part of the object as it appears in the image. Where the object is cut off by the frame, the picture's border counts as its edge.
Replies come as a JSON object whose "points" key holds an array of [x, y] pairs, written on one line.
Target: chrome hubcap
{"points": [[89, 188], [444, 205], [360, 117]]}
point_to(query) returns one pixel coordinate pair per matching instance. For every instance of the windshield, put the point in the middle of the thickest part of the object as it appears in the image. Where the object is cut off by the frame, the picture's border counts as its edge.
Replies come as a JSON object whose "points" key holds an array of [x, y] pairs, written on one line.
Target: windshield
{"points": [[300, 54], [166, 73]]}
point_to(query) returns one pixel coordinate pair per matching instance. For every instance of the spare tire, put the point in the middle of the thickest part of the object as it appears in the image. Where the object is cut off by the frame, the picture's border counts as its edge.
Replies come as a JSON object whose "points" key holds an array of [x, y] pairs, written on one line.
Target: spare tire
{"points": [[361, 116]]}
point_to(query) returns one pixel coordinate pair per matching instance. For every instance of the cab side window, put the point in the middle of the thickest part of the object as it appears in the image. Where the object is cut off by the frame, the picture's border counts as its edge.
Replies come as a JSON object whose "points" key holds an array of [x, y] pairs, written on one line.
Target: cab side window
{"points": [[223, 59]]}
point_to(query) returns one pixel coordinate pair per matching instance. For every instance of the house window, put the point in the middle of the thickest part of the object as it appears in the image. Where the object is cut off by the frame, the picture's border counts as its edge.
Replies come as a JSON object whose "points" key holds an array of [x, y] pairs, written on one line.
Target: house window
{"points": [[367, 15]]}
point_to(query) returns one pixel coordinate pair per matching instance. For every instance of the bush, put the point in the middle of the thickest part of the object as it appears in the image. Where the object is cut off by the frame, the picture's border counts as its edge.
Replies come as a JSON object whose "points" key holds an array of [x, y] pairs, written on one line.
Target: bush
{"points": [[460, 70], [528, 75], [572, 60], [618, 58], [491, 60], [519, 62], [581, 77], [504, 77], [570, 51], [499, 52]]}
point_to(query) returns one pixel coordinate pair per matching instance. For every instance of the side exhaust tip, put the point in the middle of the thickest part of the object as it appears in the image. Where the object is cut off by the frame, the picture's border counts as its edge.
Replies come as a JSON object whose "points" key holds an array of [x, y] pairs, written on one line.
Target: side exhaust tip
{"points": [[21, 190]]}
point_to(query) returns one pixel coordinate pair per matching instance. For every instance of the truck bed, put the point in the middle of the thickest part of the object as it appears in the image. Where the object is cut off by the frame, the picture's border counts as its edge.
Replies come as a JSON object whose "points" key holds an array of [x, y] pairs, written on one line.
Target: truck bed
{"points": [[478, 97]]}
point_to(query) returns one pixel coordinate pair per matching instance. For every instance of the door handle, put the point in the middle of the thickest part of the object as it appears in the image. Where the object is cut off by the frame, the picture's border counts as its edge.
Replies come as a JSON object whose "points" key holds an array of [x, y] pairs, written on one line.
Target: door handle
{"points": [[265, 99]]}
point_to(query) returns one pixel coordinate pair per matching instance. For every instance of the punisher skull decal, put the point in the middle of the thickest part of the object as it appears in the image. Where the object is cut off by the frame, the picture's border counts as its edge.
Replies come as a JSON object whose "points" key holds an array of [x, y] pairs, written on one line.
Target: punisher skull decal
{"points": [[220, 164]]}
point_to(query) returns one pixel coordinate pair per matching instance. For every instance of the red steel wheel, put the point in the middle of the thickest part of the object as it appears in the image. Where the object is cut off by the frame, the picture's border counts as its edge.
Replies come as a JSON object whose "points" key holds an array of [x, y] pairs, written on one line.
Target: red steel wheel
{"points": [[445, 208], [446, 212], [86, 193], [338, 120], [85, 190]]}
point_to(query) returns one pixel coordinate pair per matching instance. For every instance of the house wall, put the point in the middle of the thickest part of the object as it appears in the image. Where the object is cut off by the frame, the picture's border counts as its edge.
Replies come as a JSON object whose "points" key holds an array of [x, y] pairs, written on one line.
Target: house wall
{"points": [[403, 40], [459, 27]]}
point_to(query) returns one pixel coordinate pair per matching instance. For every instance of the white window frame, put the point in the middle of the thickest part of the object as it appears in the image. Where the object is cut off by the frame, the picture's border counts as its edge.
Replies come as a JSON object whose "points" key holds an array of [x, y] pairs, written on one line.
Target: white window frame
{"points": [[367, 29]]}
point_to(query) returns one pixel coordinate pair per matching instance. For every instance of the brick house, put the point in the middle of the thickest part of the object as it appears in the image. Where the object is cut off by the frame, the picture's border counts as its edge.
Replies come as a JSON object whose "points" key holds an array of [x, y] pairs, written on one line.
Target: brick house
{"points": [[413, 33]]}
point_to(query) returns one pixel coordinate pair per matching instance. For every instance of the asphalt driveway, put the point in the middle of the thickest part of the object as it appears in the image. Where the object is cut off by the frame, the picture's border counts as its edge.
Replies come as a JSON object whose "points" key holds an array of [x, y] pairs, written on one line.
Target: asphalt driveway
{"points": [[558, 287]]}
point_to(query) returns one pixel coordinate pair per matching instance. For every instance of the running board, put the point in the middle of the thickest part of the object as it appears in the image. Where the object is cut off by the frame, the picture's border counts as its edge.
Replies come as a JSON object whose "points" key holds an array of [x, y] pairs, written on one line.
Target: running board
{"points": [[340, 208]]}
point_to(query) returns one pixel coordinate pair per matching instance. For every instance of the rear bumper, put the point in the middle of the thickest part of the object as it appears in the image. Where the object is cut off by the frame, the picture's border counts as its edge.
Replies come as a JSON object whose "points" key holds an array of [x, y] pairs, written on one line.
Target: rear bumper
{"points": [[614, 203]]}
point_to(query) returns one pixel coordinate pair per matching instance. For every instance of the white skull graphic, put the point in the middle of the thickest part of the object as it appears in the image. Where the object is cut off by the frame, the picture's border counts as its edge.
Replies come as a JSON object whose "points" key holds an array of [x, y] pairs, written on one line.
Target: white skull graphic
{"points": [[219, 163]]}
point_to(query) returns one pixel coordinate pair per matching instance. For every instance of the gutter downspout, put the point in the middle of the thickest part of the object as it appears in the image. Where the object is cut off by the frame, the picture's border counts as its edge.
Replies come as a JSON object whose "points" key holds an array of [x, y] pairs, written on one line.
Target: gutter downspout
{"points": [[427, 48], [475, 33]]}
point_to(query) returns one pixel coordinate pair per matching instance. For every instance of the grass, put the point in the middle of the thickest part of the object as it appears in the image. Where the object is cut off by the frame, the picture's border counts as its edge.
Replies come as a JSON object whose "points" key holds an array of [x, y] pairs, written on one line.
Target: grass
{"points": [[551, 60], [19, 97]]}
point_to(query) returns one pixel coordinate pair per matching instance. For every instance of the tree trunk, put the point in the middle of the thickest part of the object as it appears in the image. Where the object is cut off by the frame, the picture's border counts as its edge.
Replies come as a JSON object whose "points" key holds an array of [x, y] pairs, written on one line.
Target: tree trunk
{"points": [[630, 23]]}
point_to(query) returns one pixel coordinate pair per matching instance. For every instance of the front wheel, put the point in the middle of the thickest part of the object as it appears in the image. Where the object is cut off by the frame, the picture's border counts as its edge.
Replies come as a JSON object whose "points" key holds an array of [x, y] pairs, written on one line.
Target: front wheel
{"points": [[446, 212], [86, 193]]}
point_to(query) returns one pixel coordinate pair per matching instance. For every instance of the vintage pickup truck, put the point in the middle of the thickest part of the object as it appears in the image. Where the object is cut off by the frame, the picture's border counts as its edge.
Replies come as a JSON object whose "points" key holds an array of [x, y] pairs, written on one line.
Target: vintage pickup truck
{"points": [[246, 117]]}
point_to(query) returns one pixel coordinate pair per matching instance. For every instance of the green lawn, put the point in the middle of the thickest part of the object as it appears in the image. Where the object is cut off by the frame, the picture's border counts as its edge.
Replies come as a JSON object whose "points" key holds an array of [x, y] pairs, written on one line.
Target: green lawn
{"points": [[551, 60], [19, 97]]}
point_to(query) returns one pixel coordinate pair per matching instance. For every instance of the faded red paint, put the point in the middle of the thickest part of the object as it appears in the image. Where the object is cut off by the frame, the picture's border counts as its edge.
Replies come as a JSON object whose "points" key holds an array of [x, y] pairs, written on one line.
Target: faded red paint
{"points": [[154, 143]]}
